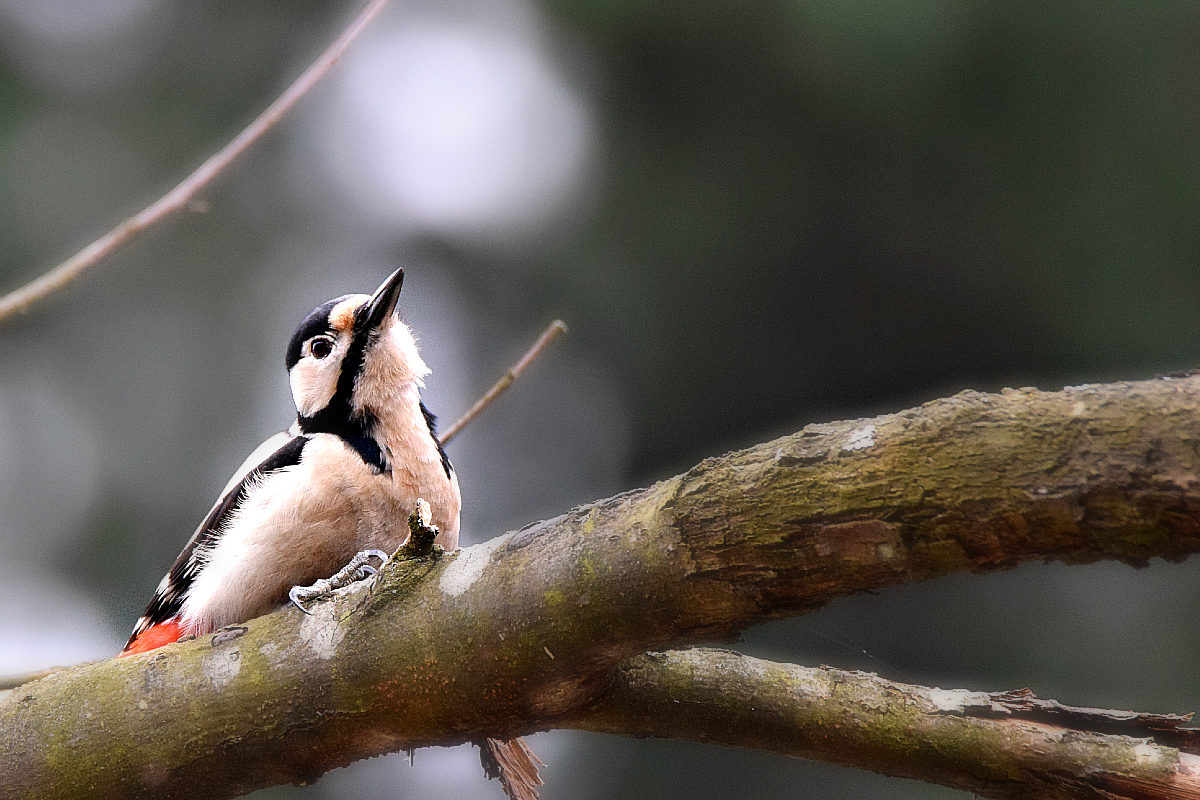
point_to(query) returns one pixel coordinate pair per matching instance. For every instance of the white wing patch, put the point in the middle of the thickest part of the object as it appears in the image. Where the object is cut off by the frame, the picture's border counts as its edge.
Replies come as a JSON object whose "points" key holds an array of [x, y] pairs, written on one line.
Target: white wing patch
{"points": [[259, 455]]}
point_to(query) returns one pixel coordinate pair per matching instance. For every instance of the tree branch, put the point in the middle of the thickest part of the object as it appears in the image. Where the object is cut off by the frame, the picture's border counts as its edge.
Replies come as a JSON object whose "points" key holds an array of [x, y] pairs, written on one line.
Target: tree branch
{"points": [[44, 285], [993, 745], [520, 633]]}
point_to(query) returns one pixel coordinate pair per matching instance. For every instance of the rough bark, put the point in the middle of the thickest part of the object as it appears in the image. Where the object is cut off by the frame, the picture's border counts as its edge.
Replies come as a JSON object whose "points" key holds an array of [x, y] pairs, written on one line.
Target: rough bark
{"points": [[1008, 746], [519, 633]]}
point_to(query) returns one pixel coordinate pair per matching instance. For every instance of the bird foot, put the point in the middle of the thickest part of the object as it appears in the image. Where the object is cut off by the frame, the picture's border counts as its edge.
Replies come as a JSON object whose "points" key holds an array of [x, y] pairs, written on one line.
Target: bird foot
{"points": [[357, 569]]}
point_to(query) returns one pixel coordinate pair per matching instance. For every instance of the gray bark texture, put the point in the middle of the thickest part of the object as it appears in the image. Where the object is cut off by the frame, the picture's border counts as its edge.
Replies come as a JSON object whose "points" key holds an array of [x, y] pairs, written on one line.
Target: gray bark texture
{"points": [[536, 629], [1004, 745]]}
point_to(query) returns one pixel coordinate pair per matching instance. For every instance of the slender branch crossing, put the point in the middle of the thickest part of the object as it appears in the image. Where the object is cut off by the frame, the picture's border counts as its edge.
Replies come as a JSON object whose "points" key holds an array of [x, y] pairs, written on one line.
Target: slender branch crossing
{"points": [[179, 197], [992, 745], [552, 332]]}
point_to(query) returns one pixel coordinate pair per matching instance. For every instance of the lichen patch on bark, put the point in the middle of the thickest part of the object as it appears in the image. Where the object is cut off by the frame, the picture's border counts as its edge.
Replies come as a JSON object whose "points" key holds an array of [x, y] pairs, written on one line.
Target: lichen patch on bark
{"points": [[321, 632], [222, 666], [468, 565]]}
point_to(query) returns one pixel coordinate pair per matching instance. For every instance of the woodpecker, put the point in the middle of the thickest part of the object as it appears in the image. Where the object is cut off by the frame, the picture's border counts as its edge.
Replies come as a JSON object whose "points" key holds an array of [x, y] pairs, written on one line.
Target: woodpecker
{"points": [[335, 489], [341, 481]]}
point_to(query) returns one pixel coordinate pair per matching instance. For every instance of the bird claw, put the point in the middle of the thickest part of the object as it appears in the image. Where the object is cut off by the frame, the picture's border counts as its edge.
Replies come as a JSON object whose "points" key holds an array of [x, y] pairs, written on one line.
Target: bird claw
{"points": [[294, 596], [357, 569], [365, 554]]}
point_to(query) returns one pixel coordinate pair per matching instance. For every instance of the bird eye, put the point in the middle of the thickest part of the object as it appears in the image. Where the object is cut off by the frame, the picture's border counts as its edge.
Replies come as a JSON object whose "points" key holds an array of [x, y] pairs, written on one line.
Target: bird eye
{"points": [[320, 347]]}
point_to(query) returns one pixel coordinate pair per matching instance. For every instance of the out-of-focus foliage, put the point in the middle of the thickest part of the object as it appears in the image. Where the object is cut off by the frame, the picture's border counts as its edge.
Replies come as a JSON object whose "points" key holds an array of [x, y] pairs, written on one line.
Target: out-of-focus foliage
{"points": [[753, 215]]}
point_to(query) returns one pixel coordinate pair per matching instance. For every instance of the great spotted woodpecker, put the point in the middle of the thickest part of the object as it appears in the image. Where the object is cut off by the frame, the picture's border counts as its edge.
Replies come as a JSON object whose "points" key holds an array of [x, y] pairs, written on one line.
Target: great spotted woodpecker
{"points": [[336, 487]]}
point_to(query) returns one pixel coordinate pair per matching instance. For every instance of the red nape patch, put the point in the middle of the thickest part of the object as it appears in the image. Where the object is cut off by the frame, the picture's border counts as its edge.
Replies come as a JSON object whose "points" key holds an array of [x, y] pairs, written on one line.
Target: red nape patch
{"points": [[154, 637]]}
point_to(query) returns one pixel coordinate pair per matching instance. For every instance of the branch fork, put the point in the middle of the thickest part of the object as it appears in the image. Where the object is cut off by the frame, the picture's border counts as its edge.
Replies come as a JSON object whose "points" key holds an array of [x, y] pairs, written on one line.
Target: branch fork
{"points": [[1098, 472]]}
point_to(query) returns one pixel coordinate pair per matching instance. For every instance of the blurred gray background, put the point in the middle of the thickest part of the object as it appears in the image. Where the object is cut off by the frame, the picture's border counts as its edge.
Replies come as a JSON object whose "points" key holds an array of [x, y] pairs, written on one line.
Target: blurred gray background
{"points": [[752, 215]]}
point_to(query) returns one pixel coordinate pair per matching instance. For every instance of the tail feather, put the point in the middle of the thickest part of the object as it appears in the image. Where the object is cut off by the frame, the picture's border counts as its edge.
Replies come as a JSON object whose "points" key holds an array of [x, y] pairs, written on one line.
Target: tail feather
{"points": [[154, 637], [514, 764]]}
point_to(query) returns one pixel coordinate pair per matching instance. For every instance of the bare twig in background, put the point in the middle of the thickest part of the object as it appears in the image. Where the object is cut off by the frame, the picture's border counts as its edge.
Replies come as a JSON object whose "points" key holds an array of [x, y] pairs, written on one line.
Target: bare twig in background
{"points": [[552, 332], [179, 197]]}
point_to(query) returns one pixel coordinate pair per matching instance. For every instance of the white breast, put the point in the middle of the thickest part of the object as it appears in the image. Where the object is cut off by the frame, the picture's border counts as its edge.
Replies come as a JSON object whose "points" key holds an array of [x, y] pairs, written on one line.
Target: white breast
{"points": [[304, 522]]}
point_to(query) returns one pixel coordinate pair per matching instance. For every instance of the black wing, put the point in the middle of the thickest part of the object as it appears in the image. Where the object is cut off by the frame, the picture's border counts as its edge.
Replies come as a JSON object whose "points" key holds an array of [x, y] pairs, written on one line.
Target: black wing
{"points": [[168, 599], [431, 424]]}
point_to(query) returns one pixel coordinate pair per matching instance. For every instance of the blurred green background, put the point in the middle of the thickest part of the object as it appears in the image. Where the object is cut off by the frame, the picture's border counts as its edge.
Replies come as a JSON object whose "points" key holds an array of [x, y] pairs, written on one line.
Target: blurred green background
{"points": [[752, 215]]}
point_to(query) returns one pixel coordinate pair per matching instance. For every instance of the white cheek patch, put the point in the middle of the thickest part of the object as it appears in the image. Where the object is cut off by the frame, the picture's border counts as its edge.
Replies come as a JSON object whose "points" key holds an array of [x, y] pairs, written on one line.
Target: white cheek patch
{"points": [[314, 382]]}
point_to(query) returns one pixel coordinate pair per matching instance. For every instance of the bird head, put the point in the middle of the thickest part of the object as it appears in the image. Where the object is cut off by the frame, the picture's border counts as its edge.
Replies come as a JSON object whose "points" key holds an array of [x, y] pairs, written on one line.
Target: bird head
{"points": [[350, 356]]}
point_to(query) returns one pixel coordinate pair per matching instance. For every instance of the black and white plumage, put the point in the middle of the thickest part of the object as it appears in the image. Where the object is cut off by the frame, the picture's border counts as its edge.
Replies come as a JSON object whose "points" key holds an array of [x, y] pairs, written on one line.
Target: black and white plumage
{"points": [[341, 480]]}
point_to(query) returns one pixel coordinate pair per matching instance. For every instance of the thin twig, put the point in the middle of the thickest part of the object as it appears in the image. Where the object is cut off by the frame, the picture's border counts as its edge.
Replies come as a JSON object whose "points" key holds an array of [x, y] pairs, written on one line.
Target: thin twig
{"points": [[552, 332], [179, 197]]}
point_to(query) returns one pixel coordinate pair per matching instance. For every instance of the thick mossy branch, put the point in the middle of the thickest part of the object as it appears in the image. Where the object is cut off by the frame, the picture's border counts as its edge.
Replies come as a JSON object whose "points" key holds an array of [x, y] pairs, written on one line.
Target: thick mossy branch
{"points": [[519, 633], [966, 740]]}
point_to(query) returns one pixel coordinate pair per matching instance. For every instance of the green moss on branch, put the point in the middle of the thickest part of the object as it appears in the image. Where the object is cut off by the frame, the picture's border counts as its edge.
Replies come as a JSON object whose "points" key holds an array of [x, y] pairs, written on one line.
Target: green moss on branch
{"points": [[522, 631]]}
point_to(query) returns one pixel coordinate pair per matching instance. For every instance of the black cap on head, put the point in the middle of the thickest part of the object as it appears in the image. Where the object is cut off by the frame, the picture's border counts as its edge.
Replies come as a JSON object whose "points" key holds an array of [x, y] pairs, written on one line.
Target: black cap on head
{"points": [[316, 322]]}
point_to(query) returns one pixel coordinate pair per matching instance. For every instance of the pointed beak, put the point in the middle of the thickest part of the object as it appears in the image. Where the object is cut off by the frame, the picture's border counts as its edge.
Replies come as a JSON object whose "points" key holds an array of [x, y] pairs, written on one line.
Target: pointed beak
{"points": [[382, 304]]}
